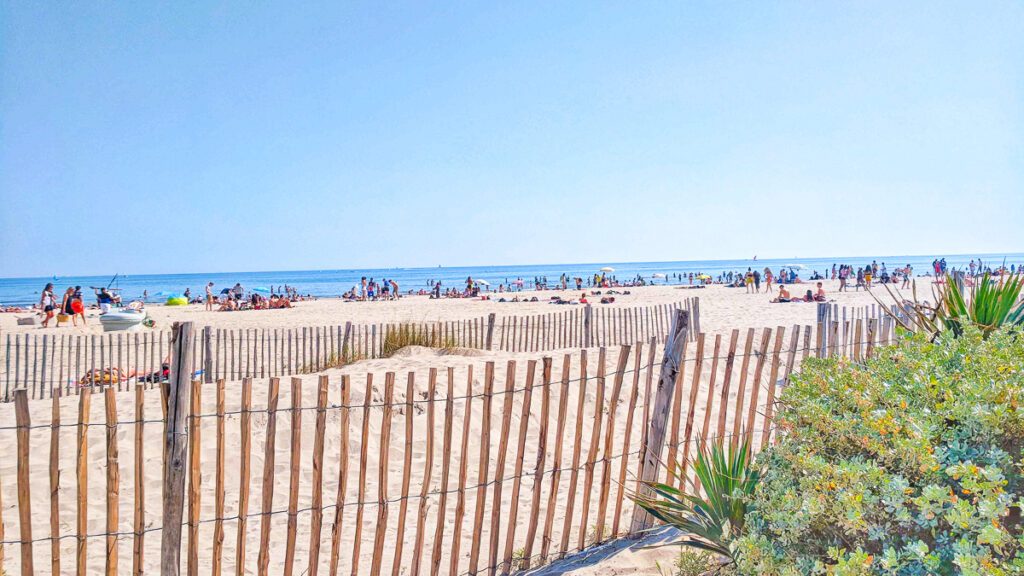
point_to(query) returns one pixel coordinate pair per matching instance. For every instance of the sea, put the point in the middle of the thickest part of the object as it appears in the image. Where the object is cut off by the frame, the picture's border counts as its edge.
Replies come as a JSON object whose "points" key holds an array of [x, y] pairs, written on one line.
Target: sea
{"points": [[333, 283]]}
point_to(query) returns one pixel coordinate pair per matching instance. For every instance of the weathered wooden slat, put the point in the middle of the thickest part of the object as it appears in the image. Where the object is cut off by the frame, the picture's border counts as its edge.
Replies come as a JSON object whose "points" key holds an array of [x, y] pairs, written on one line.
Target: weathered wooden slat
{"points": [[339, 507], [269, 454], [382, 480], [538, 469], [294, 466], [82, 476], [403, 506], [364, 440], [195, 477], [524, 425], [485, 449], [609, 441], [460, 503], [446, 460], [317, 511], [499, 467], [592, 450], [576, 452], [428, 467], [24, 423]]}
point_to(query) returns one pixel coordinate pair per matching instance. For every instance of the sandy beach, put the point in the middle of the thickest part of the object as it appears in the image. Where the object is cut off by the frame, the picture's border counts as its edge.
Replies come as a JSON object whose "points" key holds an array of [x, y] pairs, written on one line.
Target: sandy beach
{"points": [[722, 309]]}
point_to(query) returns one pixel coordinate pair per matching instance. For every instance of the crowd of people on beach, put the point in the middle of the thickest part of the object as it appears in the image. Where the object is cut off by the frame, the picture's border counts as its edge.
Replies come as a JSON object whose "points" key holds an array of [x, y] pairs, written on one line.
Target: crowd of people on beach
{"points": [[234, 298], [371, 290], [70, 305]]}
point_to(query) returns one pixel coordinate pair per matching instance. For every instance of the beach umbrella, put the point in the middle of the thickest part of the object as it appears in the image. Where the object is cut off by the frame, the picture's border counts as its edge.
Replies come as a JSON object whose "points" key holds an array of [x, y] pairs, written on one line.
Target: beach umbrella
{"points": [[703, 277], [261, 289], [484, 282], [607, 269]]}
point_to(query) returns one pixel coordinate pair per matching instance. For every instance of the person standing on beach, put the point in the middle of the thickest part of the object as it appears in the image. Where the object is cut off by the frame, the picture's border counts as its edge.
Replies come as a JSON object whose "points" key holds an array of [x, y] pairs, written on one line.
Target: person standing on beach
{"points": [[768, 279], [77, 306], [46, 303], [757, 281], [209, 297]]}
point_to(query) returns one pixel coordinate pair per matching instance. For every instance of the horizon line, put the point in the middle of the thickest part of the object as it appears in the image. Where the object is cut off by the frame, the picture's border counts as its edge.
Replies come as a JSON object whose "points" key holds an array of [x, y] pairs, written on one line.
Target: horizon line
{"points": [[712, 260]]}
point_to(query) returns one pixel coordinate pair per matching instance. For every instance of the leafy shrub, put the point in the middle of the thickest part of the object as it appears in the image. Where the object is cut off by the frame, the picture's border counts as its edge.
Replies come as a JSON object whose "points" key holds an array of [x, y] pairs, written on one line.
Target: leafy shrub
{"points": [[692, 563], [908, 464]]}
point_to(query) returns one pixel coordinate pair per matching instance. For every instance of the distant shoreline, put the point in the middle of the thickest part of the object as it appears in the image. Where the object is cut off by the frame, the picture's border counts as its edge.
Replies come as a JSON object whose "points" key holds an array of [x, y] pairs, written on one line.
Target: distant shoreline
{"points": [[333, 283]]}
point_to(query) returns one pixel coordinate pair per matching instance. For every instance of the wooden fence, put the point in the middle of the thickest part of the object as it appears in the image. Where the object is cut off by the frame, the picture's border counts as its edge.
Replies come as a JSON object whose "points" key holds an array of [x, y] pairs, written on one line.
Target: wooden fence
{"points": [[43, 362], [413, 473]]}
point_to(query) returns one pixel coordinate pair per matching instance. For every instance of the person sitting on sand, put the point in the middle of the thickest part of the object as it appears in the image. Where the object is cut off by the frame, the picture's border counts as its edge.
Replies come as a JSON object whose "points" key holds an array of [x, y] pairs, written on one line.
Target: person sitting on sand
{"points": [[783, 295], [820, 295], [228, 305], [583, 298]]}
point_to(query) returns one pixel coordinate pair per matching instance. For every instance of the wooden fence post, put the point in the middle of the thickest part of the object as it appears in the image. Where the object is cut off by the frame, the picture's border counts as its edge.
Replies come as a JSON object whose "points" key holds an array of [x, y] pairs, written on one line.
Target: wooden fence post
{"points": [[823, 314], [670, 365], [586, 326], [24, 423], [175, 438], [207, 355], [490, 329]]}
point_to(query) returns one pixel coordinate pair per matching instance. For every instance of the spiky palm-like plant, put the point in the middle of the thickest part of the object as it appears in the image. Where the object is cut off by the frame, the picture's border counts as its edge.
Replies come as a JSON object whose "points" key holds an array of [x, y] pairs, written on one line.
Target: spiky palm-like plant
{"points": [[713, 520], [987, 304]]}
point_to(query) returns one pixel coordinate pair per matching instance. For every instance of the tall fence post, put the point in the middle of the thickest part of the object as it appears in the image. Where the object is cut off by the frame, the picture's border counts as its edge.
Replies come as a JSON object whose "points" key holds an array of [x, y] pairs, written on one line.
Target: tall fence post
{"points": [[344, 343], [586, 326], [670, 366], [175, 441], [823, 314], [207, 355], [490, 329]]}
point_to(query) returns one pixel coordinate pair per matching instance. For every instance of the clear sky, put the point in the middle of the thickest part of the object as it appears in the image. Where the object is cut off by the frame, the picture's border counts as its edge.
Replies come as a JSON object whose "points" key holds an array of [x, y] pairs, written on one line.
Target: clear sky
{"points": [[209, 136]]}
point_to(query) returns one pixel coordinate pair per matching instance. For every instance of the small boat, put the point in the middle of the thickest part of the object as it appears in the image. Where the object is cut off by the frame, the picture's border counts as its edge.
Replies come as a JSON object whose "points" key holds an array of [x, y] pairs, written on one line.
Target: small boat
{"points": [[123, 319]]}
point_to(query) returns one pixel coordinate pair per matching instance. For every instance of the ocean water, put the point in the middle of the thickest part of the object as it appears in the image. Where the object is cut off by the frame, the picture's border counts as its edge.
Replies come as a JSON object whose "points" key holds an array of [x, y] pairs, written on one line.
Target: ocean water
{"points": [[327, 283]]}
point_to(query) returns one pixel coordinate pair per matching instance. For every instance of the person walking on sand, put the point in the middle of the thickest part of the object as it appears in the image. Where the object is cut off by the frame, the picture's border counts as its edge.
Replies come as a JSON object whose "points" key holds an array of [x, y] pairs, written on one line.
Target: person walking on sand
{"points": [[768, 280], [906, 276], [209, 297], [46, 304]]}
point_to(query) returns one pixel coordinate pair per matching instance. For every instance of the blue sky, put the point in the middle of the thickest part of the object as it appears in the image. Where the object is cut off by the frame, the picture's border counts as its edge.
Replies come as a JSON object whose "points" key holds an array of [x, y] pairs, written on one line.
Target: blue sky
{"points": [[193, 137]]}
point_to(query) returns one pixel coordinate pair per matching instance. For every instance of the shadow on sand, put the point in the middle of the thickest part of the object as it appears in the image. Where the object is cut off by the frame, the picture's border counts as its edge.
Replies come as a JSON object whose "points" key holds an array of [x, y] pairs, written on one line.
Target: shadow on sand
{"points": [[594, 556]]}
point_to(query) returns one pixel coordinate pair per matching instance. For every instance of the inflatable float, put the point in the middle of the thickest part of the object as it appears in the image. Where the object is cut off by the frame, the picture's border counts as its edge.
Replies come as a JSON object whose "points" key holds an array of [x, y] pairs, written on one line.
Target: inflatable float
{"points": [[123, 319]]}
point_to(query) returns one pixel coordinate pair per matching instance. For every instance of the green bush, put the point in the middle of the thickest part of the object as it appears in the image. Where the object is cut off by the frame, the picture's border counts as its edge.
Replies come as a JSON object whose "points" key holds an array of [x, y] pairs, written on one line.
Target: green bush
{"points": [[908, 464]]}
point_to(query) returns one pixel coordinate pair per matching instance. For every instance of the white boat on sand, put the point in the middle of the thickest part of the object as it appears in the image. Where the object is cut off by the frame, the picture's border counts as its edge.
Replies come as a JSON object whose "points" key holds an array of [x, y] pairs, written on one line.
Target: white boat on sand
{"points": [[123, 319]]}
